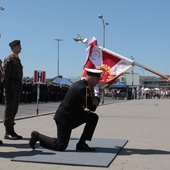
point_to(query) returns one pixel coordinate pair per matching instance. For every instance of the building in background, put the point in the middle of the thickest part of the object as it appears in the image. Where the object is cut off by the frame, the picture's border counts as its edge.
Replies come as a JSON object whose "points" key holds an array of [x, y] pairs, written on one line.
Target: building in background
{"points": [[139, 81]]}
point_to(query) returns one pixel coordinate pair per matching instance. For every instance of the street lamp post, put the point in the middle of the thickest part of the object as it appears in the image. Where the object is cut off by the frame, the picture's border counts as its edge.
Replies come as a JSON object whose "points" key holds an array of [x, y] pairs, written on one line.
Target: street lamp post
{"points": [[132, 71], [133, 90], [58, 56], [1, 8], [143, 77], [104, 24]]}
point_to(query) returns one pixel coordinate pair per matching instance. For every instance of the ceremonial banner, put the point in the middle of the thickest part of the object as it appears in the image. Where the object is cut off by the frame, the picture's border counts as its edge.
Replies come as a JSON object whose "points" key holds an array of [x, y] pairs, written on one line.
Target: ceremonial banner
{"points": [[112, 64]]}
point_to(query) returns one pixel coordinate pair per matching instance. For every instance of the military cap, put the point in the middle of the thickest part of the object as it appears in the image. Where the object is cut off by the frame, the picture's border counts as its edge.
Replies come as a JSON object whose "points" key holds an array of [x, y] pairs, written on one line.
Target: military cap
{"points": [[14, 43], [93, 72]]}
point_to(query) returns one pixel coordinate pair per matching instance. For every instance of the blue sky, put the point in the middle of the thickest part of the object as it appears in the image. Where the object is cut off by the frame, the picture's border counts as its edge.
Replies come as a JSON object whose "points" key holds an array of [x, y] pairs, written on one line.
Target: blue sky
{"points": [[138, 28]]}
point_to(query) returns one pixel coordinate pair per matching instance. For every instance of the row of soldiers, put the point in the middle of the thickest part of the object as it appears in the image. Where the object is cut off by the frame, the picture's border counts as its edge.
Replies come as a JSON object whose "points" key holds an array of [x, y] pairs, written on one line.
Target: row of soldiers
{"points": [[49, 92]]}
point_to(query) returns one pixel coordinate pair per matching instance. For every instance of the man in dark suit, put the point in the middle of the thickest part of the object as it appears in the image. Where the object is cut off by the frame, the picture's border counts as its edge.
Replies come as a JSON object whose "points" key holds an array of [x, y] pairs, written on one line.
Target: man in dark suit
{"points": [[77, 108]]}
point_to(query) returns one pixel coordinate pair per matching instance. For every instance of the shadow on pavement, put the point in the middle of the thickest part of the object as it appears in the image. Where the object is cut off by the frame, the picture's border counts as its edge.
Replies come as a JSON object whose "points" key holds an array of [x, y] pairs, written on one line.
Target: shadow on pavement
{"points": [[131, 151]]}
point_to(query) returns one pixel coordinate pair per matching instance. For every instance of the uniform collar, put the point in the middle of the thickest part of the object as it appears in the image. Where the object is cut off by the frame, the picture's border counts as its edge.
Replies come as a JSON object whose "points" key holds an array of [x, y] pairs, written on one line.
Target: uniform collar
{"points": [[15, 55]]}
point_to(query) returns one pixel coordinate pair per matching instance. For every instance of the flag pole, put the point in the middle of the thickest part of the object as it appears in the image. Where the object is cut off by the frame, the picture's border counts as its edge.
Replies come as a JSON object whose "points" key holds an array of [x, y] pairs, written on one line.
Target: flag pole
{"points": [[151, 70], [115, 54], [135, 63]]}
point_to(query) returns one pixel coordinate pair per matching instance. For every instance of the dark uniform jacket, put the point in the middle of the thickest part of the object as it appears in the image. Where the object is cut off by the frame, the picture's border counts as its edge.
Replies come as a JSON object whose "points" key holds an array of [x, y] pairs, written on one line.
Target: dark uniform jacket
{"points": [[13, 74], [72, 107]]}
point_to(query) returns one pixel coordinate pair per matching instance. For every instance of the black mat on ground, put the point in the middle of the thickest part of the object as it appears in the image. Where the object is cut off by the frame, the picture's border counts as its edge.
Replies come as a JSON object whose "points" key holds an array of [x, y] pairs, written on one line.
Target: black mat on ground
{"points": [[106, 151]]}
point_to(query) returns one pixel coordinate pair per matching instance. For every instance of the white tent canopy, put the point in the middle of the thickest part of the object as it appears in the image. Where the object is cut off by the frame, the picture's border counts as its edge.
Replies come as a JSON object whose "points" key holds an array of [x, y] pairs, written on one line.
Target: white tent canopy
{"points": [[63, 81], [156, 88]]}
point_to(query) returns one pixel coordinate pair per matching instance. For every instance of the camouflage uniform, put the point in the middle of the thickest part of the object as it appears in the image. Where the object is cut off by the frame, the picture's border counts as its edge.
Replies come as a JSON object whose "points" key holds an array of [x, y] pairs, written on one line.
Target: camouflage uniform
{"points": [[12, 83]]}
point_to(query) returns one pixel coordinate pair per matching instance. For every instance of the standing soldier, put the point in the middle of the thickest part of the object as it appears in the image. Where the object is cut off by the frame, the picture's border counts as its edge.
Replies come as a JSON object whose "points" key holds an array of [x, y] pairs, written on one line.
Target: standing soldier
{"points": [[12, 83]]}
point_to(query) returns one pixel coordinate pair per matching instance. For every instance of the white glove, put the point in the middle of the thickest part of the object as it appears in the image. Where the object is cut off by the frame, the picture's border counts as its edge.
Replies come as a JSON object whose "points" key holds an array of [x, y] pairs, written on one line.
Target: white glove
{"points": [[96, 91]]}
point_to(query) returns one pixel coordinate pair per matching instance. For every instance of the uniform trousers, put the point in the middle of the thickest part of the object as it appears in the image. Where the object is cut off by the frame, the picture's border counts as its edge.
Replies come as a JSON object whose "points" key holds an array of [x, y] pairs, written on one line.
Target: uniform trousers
{"points": [[64, 132], [12, 100]]}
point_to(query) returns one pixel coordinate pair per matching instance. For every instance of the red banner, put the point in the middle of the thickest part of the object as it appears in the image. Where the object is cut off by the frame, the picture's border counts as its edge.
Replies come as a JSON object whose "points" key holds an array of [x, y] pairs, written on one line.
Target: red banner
{"points": [[112, 64]]}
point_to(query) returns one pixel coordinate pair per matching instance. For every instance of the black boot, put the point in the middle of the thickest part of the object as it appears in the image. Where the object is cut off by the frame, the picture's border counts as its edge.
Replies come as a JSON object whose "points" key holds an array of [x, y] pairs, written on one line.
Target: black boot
{"points": [[34, 139], [10, 134], [84, 147], [45, 141], [81, 145], [1, 142]]}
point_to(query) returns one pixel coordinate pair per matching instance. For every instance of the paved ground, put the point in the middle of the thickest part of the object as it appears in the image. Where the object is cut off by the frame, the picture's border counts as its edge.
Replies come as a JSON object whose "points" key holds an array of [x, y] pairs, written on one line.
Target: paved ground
{"points": [[33, 110], [145, 123]]}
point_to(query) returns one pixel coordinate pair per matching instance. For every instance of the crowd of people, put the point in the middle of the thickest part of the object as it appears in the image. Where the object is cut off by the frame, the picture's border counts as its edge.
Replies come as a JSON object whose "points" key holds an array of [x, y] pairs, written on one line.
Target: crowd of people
{"points": [[155, 94], [49, 92]]}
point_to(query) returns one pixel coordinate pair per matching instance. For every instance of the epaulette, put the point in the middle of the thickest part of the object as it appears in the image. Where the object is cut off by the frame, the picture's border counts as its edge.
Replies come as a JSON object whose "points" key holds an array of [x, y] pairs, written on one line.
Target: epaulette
{"points": [[8, 59]]}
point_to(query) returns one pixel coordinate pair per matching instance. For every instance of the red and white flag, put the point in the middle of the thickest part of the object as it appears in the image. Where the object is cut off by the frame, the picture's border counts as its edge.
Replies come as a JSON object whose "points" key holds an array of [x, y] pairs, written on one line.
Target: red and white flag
{"points": [[112, 64]]}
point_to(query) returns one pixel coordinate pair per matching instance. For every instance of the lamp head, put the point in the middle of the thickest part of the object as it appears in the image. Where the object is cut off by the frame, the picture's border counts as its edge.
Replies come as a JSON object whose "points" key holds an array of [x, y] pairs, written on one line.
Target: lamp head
{"points": [[58, 39], [2, 8], [80, 39], [100, 16]]}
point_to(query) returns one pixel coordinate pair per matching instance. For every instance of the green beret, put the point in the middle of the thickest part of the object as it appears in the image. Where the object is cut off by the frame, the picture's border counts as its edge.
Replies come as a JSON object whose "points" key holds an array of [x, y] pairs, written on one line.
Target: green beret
{"points": [[14, 43]]}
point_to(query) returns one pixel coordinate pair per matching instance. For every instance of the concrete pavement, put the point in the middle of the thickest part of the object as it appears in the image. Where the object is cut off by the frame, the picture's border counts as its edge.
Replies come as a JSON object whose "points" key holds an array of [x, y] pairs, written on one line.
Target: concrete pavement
{"points": [[144, 123], [31, 110]]}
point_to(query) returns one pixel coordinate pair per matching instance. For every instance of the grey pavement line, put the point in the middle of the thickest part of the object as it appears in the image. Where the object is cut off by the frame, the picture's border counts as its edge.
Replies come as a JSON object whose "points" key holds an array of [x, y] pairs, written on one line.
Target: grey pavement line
{"points": [[32, 116], [45, 114]]}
